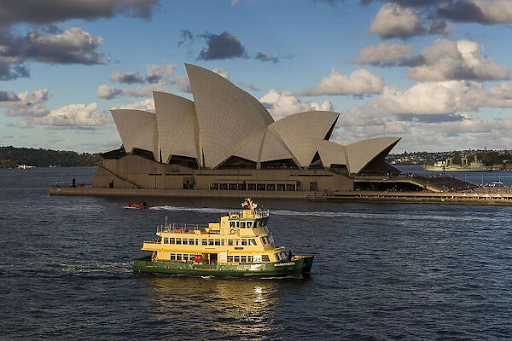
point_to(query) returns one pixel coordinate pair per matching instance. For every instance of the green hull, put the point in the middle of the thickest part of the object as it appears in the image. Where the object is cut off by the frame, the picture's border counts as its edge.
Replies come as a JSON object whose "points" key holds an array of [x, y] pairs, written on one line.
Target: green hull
{"points": [[298, 266]]}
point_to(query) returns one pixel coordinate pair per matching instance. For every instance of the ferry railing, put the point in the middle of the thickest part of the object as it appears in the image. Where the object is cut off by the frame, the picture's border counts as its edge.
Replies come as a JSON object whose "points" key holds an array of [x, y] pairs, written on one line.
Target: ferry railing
{"points": [[180, 227], [261, 213]]}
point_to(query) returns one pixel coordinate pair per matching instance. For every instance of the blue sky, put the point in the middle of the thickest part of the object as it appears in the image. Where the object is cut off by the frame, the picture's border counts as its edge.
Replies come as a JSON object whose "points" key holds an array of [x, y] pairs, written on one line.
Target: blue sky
{"points": [[437, 73]]}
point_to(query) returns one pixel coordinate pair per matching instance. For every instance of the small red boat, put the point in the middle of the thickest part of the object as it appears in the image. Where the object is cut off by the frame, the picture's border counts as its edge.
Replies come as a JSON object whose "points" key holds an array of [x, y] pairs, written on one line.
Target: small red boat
{"points": [[140, 205]]}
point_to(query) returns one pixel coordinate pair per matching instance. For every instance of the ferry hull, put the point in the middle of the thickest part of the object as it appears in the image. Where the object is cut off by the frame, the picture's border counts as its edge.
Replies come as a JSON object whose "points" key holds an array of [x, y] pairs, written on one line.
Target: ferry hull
{"points": [[297, 266]]}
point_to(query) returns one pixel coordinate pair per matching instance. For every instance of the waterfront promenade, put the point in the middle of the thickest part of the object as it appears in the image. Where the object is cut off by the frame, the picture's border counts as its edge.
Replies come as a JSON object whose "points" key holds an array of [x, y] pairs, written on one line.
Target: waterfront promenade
{"points": [[501, 196]]}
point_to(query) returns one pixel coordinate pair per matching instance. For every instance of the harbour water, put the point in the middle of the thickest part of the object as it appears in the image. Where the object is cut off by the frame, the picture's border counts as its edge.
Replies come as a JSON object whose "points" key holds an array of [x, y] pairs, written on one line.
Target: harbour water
{"points": [[381, 271]]}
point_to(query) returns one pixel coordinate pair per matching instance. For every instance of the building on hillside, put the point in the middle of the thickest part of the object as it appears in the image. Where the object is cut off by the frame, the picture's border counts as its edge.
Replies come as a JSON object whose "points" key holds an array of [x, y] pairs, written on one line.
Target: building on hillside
{"points": [[225, 140]]}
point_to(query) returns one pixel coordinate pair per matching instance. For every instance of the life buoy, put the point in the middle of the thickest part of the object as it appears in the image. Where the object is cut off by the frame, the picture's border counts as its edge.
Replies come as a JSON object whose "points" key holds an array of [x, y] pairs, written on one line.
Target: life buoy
{"points": [[232, 231]]}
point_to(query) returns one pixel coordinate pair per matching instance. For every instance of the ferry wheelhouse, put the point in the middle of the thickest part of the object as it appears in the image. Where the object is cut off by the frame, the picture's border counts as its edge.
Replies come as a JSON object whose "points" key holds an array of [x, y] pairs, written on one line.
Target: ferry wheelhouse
{"points": [[240, 244]]}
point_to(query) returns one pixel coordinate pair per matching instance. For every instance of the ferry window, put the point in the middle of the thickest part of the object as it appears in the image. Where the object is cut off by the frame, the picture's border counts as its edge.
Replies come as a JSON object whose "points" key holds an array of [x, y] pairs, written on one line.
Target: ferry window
{"points": [[173, 256], [237, 224], [278, 256], [191, 242], [264, 240], [191, 257], [271, 239], [265, 258], [249, 259], [243, 259], [210, 241], [237, 259], [242, 224], [178, 256], [223, 242], [204, 242], [249, 224], [244, 242], [252, 242], [185, 257], [237, 242], [217, 241], [230, 242], [178, 241], [185, 241], [172, 241], [231, 224], [230, 258], [166, 240]]}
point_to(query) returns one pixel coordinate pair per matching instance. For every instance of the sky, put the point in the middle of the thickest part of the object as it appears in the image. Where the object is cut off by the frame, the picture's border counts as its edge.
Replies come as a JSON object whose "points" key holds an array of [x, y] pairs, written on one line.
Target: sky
{"points": [[437, 73]]}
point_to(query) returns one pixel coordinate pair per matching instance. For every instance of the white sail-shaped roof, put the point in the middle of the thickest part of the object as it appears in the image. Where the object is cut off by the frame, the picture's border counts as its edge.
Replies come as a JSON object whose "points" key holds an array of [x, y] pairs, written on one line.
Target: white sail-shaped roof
{"points": [[361, 153], [299, 131], [250, 150], [331, 153], [273, 148], [227, 116], [177, 125], [137, 129], [225, 121]]}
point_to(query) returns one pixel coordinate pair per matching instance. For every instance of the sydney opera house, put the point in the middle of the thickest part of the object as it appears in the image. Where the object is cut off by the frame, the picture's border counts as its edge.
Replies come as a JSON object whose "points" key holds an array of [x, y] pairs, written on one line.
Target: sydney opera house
{"points": [[226, 140]]}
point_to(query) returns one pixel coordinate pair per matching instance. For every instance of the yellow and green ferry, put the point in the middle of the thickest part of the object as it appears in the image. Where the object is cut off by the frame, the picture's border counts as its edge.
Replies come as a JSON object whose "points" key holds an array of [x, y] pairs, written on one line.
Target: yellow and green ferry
{"points": [[239, 245]]}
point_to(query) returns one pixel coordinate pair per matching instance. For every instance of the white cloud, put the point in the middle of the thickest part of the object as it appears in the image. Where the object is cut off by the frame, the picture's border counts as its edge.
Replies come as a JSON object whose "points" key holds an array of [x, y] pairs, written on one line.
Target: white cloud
{"points": [[107, 92], [165, 73], [70, 116], [359, 82], [145, 105], [158, 77], [429, 98], [457, 60], [495, 11], [383, 53], [283, 103], [127, 77], [432, 98], [145, 91], [68, 47], [221, 72], [499, 96], [431, 116], [26, 104], [394, 21]]}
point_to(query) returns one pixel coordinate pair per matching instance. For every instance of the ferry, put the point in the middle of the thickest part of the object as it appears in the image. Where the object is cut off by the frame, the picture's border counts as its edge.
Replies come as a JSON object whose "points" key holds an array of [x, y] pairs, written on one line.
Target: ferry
{"points": [[239, 245]]}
